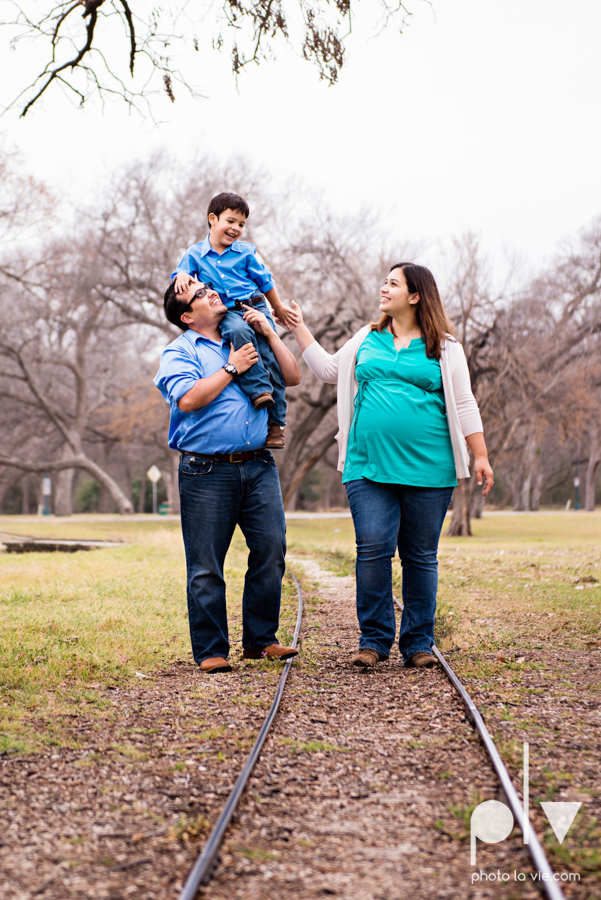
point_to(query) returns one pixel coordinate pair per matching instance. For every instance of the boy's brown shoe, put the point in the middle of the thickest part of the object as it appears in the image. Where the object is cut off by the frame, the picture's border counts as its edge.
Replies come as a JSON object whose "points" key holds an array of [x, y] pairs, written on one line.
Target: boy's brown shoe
{"points": [[276, 438], [420, 660], [367, 658], [263, 401], [274, 651]]}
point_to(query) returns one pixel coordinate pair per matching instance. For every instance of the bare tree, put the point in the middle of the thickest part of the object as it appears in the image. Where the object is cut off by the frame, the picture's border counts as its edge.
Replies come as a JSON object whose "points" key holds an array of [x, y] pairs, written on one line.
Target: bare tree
{"points": [[63, 352], [119, 48]]}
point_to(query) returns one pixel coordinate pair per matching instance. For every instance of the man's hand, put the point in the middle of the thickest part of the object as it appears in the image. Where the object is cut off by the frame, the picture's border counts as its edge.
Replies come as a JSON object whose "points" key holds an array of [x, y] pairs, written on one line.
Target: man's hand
{"points": [[286, 316], [243, 358], [257, 320], [182, 282]]}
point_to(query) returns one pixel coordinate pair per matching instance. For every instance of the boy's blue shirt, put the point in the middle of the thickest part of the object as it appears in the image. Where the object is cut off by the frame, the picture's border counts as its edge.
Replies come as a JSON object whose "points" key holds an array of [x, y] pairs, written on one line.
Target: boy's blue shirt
{"points": [[236, 273]]}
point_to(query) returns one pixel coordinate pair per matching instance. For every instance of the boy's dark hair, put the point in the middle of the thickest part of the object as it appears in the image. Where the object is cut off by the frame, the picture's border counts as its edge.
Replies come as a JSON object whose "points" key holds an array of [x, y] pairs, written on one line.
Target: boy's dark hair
{"points": [[225, 201], [174, 305]]}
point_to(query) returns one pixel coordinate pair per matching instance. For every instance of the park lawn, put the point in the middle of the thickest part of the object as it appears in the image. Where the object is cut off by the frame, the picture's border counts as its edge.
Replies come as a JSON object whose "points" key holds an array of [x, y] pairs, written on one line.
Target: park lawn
{"points": [[520, 579], [77, 624]]}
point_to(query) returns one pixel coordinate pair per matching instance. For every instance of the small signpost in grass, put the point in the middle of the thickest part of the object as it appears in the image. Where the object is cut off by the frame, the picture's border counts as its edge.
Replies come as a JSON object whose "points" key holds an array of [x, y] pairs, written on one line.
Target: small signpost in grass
{"points": [[154, 473]]}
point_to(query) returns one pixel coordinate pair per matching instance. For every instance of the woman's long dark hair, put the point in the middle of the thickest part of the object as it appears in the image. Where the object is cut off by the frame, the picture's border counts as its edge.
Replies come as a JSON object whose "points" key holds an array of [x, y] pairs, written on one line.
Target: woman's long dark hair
{"points": [[431, 315]]}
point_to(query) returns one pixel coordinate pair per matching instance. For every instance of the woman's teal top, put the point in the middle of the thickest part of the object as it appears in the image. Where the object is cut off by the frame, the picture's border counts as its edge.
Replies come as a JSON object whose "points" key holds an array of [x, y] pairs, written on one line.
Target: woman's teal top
{"points": [[399, 433]]}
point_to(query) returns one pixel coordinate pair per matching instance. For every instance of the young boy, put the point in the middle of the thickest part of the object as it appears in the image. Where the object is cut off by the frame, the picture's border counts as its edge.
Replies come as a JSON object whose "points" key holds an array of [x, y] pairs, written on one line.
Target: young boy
{"points": [[231, 267]]}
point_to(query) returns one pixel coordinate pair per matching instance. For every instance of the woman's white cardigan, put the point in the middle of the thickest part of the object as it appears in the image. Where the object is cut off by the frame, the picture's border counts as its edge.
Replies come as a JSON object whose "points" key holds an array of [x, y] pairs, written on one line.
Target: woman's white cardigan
{"points": [[462, 410]]}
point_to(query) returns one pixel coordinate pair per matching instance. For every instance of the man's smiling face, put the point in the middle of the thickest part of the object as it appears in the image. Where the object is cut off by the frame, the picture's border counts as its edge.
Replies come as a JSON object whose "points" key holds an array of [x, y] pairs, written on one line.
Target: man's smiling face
{"points": [[226, 229], [205, 305]]}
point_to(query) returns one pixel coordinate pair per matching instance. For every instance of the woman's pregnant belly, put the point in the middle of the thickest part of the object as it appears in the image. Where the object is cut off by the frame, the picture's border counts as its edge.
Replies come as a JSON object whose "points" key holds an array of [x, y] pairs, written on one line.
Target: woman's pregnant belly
{"points": [[400, 433]]}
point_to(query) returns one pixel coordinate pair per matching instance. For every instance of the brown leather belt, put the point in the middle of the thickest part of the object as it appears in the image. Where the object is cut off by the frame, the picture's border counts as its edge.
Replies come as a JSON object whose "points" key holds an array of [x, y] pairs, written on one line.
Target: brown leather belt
{"points": [[250, 301], [241, 457]]}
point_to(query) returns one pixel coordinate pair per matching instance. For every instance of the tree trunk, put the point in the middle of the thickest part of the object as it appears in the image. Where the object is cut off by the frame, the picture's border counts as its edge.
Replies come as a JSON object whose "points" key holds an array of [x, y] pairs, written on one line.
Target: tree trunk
{"points": [[537, 490], [460, 521], [290, 502], [298, 458], [593, 462], [63, 489], [528, 467], [477, 500], [25, 496], [79, 461]]}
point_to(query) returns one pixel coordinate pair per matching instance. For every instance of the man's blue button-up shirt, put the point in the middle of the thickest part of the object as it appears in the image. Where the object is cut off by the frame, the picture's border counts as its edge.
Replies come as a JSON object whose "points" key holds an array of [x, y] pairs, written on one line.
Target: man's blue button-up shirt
{"points": [[229, 423], [236, 273]]}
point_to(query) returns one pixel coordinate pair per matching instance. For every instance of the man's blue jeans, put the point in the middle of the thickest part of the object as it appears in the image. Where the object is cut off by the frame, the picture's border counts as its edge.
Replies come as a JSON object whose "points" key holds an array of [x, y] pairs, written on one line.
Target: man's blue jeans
{"points": [[387, 516], [265, 376], [215, 497]]}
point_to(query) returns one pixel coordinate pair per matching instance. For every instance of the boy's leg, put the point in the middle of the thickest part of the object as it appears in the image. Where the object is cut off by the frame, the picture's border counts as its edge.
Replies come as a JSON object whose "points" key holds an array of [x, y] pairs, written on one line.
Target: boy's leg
{"points": [[255, 381], [277, 412]]}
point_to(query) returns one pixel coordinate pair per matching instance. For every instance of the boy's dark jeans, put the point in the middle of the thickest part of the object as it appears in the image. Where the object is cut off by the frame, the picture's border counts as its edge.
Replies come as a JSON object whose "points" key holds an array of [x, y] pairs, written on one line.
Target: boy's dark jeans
{"points": [[265, 376]]}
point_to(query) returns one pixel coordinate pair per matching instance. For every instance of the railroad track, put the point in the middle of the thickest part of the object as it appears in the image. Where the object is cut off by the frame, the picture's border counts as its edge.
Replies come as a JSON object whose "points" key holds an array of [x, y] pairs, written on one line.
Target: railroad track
{"points": [[205, 864]]}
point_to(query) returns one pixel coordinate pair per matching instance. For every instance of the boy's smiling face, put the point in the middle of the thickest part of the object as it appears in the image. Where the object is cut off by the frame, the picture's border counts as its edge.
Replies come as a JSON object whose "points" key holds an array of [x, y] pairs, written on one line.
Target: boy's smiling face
{"points": [[226, 229]]}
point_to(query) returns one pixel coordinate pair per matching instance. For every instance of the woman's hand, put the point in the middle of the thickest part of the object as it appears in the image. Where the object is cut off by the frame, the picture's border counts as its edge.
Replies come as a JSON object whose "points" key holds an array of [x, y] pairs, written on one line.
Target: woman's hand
{"points": [[484, 472], [298, 313], [293, 319], [482, 467], [287, 317]]}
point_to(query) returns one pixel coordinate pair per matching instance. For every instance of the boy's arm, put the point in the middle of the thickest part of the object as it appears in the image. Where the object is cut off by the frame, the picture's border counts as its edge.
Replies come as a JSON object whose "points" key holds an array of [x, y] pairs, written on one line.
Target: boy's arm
{"points": [[187, 269], [285, 359], [262, 278]]}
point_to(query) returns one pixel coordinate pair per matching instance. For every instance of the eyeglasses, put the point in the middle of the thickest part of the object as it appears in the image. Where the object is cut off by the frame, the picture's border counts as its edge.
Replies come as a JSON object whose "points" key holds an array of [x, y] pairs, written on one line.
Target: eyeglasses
{"points": [[201, 292]]}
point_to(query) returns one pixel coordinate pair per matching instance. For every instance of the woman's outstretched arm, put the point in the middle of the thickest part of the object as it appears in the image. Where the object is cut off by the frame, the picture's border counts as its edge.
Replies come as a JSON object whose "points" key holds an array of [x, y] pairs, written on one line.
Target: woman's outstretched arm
{"points": [[302, 335], [321, 363]]}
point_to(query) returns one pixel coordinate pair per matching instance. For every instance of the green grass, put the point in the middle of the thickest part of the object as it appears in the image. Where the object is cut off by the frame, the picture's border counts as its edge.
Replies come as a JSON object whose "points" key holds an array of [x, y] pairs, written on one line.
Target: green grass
{"points": [[74, 624]]}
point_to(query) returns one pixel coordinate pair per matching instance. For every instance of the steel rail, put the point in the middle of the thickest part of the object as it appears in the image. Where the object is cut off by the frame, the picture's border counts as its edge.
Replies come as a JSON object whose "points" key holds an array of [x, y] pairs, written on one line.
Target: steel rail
{"points": [[203, 867], [537, 854]]}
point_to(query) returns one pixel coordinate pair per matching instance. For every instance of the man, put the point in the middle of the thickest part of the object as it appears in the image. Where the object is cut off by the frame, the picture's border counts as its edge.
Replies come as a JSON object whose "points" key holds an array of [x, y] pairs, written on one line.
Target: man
{"points": [[227, 477]]}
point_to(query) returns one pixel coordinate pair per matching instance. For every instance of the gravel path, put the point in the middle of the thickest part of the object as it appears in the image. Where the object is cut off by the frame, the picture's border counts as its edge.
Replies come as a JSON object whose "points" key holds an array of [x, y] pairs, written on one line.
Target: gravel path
{"points": [[363, 790]]}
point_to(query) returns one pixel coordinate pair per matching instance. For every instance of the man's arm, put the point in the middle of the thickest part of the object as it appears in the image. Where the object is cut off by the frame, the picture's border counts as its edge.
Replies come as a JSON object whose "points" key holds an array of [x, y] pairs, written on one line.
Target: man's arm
{"points": [[206, 389], [285, 359]]}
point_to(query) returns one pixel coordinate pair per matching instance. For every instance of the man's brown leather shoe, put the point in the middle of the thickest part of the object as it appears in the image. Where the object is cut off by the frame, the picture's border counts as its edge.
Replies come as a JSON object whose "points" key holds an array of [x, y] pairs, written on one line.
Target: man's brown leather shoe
{"points": [[274, 651], [214, 665], [420, 660], [367, 658], [263, 401], [276, 438]]}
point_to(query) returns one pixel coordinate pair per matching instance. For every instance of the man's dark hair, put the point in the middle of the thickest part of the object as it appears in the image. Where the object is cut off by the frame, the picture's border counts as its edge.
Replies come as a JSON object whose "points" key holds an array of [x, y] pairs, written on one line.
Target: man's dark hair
{"points": [[174, 305], [225, 201]]}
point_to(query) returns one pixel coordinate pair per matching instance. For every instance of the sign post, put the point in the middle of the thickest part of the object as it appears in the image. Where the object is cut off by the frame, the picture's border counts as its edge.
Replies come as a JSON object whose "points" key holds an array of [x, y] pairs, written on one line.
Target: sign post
{"points": [[46, 493], [154, 473]]}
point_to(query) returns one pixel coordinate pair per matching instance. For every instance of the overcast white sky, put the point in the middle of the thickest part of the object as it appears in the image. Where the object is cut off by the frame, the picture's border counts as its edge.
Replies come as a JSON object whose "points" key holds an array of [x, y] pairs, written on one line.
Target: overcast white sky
{"points": [[484, 115]]}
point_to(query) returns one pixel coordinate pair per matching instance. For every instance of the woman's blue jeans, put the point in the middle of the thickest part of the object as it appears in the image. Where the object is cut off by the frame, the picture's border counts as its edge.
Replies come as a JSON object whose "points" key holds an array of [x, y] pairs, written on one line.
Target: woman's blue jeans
{"points": [[387, 516], [215, 497], [265, 376]]}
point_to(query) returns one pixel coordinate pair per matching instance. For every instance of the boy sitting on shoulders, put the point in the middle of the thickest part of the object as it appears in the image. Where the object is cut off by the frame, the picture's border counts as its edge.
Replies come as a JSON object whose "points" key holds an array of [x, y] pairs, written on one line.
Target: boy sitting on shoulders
{"points": [[231, 267]]}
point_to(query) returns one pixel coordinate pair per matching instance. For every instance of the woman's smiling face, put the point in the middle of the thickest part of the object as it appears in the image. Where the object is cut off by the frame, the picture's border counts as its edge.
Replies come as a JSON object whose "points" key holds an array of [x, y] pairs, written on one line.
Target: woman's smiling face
{"points": [[394, 294]]}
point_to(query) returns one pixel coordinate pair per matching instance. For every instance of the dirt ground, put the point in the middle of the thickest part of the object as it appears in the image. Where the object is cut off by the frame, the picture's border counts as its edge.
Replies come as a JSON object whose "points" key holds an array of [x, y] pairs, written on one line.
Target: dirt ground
{"points": [[364, 789]]}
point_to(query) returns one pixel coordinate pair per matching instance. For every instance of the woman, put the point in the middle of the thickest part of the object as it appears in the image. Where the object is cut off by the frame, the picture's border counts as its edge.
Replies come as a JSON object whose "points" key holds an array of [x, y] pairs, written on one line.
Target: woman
{"points": [[401, 450]]}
